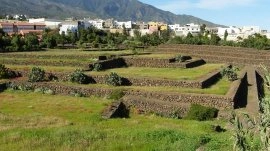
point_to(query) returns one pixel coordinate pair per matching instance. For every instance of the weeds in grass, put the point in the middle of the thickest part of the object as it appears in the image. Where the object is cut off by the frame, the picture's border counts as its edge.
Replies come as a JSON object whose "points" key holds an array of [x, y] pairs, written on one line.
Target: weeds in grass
{"points": [[201, 113], [77, 93]]}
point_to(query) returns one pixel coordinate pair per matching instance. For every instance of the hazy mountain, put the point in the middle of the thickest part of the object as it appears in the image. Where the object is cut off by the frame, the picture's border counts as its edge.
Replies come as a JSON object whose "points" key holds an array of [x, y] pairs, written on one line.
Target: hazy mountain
{"points": [[117, 9]]}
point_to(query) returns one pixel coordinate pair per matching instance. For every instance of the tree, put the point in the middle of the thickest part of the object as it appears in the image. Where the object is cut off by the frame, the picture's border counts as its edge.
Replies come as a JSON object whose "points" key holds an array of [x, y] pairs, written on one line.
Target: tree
{"points": [[50, 41], [16, 42], [202, 28], [74, 37], [225, 35], [214, 39], [31, 42], [137, 34]]}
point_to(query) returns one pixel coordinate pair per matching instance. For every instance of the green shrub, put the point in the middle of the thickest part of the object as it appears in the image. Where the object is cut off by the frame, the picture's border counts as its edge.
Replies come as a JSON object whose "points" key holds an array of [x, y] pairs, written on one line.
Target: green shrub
{"points": [[36, 75], [117, 94], [97, 67], [78, 77], [180, 58], [6, 73], [3, 72], [201, 113], [114, 79], [230, 72]]}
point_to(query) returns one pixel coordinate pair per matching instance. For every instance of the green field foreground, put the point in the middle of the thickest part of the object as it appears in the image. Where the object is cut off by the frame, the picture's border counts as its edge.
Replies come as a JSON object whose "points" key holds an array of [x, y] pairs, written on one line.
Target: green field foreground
{"points": [[33, 121]]}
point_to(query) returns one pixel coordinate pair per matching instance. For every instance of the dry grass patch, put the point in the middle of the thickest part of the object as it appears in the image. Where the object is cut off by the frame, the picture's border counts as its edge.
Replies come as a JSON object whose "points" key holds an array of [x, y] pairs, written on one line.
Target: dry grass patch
{"points": [[8, 122]]}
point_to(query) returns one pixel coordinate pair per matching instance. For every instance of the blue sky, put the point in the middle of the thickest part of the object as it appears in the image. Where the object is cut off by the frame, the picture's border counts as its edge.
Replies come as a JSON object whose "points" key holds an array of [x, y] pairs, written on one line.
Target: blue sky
{"points": [[225, 12]]}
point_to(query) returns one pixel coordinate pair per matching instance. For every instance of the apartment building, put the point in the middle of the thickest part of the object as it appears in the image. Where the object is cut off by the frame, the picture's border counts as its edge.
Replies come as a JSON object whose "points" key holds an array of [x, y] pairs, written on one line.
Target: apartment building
{"points": [[97, 23], [17, 27], [50, 23], [70, 26], [120, 25], [7, 27], [179, 30]]}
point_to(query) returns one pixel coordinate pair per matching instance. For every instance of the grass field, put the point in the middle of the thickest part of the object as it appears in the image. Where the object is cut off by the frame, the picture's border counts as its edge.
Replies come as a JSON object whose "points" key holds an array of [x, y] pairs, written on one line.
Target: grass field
{"points": [[163, 73], [32, 121]]}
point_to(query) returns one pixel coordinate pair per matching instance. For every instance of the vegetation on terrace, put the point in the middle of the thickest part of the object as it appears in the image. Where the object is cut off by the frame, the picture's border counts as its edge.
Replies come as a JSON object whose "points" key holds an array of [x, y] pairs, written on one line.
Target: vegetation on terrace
{"points": [[33, 121], [163, 73]]}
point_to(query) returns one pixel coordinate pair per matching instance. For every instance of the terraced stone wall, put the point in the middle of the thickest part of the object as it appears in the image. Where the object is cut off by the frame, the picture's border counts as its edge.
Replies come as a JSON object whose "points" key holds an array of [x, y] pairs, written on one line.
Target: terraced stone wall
{"points": [[238, 90], [220, 54], [203, 82], [158, 107]]}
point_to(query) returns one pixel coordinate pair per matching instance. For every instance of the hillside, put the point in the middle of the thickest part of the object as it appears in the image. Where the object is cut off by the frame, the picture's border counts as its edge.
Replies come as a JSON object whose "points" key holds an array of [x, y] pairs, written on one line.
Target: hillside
{"points": [[118, 9]]}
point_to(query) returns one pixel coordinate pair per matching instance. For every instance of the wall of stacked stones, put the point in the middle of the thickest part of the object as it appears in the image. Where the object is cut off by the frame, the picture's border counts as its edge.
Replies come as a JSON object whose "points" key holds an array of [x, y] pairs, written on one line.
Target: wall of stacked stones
{"points": [[202, 82], [154, 106], [217, 101], [149, 62], [227, 101], [239, 89], [217, 54]]}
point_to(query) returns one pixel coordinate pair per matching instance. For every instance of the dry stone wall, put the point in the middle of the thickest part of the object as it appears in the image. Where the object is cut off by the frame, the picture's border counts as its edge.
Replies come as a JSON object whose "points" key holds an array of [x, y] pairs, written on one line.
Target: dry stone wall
{"points": [[238, 90], [220, 54], [229, 101], [143, 105], [202, 82]]}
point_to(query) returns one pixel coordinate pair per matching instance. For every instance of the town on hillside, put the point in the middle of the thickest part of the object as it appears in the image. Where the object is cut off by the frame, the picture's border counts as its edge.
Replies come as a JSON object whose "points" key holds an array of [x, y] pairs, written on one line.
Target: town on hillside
{"points": [[37, 25]]}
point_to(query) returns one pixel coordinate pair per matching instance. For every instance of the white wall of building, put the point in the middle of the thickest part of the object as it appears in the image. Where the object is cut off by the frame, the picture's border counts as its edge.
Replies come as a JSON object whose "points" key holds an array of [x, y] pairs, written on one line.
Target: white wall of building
{"points": [[50, 23], [250, 30], [184, 30], [142, 31], [128, 24], [65, 27], [233, 33], [97, 23]]}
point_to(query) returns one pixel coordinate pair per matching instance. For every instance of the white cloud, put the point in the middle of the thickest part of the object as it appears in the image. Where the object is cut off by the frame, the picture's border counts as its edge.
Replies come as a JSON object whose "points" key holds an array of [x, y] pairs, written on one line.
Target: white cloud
{"points": [[178, 5]]}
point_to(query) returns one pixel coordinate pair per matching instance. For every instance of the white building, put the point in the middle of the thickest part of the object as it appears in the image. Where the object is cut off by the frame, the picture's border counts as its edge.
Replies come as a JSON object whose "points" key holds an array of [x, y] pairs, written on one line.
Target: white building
{"points": [[50, 23], [72, 26], [174, 27], [98, 23], [119, 25], [192, 28], [250, 30], [142, 31], [233, 33]]}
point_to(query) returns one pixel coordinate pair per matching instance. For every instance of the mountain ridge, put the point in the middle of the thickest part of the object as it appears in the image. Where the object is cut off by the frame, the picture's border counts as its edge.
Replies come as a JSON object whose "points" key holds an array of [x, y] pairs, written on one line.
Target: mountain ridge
{"points": [[118, 9]]}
